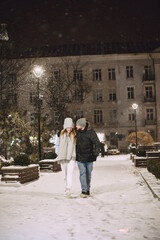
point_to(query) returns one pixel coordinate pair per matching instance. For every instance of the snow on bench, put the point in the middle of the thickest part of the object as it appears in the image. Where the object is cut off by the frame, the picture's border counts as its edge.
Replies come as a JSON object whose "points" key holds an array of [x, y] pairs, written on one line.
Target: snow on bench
{"points": [[21, 174], [50, 164]]}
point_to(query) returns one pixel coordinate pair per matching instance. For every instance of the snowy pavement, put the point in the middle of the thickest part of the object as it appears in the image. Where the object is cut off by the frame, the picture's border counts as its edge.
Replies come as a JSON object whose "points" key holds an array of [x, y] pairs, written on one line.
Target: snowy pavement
{"points": [[121, 206]]}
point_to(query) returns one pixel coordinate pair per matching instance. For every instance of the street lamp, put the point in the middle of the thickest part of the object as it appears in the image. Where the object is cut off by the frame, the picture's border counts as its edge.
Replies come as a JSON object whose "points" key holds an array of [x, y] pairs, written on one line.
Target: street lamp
{"points": [[38, 71], [135, 106]]}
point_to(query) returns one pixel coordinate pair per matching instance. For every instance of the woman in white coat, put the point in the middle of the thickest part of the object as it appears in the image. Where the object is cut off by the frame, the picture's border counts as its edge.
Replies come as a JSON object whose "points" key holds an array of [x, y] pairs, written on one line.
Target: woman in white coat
{"points": [[66, 151]]}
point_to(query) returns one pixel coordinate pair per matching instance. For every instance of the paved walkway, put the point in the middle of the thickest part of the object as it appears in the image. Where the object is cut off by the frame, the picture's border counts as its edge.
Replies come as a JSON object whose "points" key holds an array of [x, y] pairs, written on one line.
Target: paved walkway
{"points": [[121, 206]]}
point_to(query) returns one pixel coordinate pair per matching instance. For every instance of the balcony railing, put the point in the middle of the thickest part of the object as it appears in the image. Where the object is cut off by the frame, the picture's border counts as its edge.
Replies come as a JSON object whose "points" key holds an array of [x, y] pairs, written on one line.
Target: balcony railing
{"points": [[149, 99], [150, 122], [114, 122], [148, 77]]}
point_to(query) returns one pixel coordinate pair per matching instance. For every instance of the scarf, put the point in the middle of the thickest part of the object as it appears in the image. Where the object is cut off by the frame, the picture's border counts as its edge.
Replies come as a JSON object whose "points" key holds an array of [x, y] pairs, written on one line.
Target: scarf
{"points": [[67, 148]]}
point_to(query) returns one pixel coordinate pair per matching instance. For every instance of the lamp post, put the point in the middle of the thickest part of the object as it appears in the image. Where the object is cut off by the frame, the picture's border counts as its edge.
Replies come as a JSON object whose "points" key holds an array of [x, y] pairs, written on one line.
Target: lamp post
{"points": [[38, 71], [135, 106]]}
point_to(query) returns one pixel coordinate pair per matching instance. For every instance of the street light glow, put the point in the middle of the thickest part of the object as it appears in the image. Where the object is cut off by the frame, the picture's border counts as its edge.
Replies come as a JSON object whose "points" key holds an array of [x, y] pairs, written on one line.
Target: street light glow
{"points": [[135, 106], [38, 71]]}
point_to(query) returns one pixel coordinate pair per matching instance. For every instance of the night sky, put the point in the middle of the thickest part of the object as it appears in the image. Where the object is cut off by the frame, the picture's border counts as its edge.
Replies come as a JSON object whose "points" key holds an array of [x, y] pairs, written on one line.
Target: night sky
{"points": [[56, 22]]}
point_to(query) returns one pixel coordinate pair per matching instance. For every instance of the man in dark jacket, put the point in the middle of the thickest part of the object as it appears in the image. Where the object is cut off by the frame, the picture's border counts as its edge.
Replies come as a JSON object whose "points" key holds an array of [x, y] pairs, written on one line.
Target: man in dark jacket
{"points": [[87, 149]]}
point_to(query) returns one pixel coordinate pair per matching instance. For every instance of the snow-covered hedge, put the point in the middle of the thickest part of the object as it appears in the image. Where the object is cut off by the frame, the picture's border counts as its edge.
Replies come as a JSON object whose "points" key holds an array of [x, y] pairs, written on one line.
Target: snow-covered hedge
{"points": [[22, 160], [153, 166]]}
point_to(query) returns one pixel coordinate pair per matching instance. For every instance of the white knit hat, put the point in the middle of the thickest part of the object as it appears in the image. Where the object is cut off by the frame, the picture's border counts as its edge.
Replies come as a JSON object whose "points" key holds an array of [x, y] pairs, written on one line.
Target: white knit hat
{"points": [[68, 123]]}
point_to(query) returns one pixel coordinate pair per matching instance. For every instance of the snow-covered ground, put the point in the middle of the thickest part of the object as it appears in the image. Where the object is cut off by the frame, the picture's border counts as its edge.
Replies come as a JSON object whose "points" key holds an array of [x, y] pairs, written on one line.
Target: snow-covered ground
{"points": [[121, 206]]}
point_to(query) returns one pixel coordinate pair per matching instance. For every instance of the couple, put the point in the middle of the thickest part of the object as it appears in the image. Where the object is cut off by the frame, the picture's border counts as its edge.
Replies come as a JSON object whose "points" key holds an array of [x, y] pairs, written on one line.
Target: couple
{"points": [[81, 145]]}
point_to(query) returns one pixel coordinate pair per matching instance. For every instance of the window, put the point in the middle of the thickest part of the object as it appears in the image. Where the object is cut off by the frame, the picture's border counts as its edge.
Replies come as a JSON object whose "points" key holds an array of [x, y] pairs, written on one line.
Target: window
{"points": [[152, 133], [149, 92], [98, 117], [79, 95], [79, 114], [113, 115], [129, 71], [12, 79], [130, 92], [147, 72], [78, 76], [56, 117], [149, 113], [131, 117], [56, 74], [12, 98], [32, 97], [97, 76], [112, 94], [32, 118], [97, 95], [111, 74]]}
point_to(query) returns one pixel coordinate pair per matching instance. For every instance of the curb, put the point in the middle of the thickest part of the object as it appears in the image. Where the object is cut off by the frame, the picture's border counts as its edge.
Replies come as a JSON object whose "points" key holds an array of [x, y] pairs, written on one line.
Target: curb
{"points": [[152, 182]]}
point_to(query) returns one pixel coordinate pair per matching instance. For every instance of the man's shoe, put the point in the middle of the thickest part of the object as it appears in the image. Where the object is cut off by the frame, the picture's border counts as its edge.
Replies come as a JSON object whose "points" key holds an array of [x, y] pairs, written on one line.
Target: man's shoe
{"points": [[84, 195]]}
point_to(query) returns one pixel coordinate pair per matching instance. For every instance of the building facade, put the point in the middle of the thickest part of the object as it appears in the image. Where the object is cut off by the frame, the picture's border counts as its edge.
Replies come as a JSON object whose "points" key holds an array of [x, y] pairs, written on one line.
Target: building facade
{"points": [[116, 80]]}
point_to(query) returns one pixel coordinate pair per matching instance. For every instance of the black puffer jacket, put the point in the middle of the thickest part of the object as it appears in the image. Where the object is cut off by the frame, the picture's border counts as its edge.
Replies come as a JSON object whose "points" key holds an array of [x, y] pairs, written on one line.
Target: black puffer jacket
{"points": [[88, 145]]}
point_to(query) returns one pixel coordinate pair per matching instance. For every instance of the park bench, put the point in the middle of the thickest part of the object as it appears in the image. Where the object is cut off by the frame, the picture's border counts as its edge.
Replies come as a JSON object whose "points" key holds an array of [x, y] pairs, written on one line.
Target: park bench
{"points": [[147, 148], [153, 154], [20, 174], [51, 164], [140, 161]]}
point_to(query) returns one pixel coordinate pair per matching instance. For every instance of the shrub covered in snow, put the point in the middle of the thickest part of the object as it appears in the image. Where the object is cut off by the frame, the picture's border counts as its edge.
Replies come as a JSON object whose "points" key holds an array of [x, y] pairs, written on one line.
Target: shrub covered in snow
{"points": [[5, 162], [22, 160], [153, 166], [50, 155], [138, 152]]}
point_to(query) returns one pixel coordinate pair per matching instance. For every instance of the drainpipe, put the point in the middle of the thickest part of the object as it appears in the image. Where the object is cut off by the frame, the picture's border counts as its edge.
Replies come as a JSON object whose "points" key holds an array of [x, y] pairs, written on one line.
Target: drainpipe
{"points": [[153, 67]]}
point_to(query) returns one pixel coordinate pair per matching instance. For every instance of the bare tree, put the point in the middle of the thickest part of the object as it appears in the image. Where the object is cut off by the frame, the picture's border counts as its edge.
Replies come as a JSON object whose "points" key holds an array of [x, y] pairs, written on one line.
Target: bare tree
{"points": [[14, 70], [67, 85], [63, 85]]}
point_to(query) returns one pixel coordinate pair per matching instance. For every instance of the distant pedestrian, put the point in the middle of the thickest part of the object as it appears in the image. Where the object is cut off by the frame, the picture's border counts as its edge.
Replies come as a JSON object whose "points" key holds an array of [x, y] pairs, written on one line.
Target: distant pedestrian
{"points": [[106, 149], [66, 151], [87, 149], [102, 149]]}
